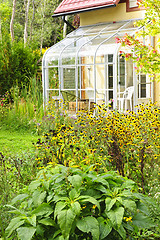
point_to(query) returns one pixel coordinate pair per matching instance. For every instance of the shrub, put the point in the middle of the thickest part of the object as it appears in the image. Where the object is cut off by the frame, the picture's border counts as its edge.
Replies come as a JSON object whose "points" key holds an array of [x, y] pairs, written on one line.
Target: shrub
{"points": [[70, 203], [17, 64]]}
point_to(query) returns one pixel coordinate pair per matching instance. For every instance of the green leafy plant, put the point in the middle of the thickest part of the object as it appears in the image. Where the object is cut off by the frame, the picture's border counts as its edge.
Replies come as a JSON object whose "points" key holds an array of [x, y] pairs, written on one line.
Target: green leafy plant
{"points": [[17, 64], [70, 203], [127, 143]]}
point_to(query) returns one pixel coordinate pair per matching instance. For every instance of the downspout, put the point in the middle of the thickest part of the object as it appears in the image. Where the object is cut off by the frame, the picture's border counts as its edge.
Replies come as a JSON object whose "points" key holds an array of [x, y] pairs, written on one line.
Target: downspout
{"points": [[65, 21]]}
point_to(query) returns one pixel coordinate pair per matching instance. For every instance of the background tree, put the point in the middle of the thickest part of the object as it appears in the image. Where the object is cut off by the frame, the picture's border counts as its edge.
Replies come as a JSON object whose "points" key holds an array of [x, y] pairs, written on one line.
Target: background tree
{"points": [[26, 26], [12, 20]]}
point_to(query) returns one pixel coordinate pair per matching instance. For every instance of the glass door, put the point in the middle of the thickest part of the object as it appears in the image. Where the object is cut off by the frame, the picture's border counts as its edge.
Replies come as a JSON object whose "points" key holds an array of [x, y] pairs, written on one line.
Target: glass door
{"points": [[124, 78]]}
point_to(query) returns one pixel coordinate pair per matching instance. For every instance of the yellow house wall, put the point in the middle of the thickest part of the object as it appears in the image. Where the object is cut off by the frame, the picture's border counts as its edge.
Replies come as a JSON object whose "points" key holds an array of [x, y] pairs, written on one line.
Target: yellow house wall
{"points": [[117, 13]]}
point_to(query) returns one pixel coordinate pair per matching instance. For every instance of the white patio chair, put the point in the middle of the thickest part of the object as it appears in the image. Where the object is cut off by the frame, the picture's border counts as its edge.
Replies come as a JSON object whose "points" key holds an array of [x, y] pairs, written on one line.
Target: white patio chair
{"points": [[126, 96]]}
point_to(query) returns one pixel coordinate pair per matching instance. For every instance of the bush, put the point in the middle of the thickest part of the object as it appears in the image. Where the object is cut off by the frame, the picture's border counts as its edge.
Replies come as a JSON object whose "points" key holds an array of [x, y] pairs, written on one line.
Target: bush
{"points": [[70, 203], [17, 64]]}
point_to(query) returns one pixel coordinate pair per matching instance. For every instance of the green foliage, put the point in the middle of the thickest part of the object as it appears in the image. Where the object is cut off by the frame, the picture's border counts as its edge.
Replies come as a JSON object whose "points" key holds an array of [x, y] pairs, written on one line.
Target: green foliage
{"points": [[128, 143], [70, 203], [16, 171], [22, 107], [17, 64], [147, 57]]}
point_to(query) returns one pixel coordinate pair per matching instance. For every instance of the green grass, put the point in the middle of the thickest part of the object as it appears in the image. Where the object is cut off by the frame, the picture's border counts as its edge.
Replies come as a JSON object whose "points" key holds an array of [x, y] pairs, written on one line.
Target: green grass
{"points": [[16, 142]]}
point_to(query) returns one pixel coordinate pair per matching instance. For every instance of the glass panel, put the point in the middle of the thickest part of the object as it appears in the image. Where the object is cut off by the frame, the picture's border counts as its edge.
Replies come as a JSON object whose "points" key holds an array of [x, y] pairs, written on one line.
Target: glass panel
{"points": [[129, 73], [69, 78], [110, 57], [121, 73], [110, 76], [69, 84], [52, 55], [114, 26], [133, 3], [53, 93], [69, 53], [98, 28], [108, 46], [88, 50], [80, 31], [144, 86], [53, 78]]}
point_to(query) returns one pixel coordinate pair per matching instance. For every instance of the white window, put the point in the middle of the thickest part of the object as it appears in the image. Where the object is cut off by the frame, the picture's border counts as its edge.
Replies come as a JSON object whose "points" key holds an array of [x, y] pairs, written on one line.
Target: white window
{"points": [[133, 3]]}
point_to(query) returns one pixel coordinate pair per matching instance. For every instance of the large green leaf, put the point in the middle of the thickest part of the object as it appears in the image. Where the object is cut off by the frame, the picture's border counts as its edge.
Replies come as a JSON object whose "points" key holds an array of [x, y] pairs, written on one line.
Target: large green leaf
{"points": [[38, 197], [14, 224], [73, 194], [32, 220], [47, 222], [142, 221], [15, 210], [105, 227], [130, 205], [101, 188], [59, 206], [128, 184], [34, 185], [76, 181], [19, 198], [56, 233], [101, 180], [116, 216], [89, 224], [126, 193], [26, 233], [76, 207], [65, 221], [43, 209], [92, 200], [122, 232], [109, 203]]}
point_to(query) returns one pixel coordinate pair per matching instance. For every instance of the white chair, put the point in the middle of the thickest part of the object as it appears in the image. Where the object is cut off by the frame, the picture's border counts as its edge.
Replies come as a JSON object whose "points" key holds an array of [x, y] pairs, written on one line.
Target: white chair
{"points": [[90, 94], [126, 96]]}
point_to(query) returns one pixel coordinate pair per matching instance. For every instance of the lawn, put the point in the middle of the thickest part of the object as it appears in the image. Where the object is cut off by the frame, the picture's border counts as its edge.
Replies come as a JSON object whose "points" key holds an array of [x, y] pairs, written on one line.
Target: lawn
{"points": [[16, 142]]}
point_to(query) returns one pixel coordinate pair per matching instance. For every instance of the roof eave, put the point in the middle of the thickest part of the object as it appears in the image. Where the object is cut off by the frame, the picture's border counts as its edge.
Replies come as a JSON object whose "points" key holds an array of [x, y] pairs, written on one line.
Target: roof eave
{"points": [[82, 10]]}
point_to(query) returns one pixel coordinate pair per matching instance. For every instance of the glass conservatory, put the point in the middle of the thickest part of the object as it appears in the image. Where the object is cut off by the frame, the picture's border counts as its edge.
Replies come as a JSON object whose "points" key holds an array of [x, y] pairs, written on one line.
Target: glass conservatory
{"points": [[88, 67]]}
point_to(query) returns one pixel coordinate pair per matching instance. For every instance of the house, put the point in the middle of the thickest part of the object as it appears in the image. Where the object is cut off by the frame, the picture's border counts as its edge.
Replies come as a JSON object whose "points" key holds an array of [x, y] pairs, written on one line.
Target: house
{"points": [[87, 65]]}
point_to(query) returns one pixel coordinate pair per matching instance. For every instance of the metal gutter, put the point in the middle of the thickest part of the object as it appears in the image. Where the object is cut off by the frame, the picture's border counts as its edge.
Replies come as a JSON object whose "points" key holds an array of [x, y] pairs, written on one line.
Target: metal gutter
{"points": [[82, 10]]}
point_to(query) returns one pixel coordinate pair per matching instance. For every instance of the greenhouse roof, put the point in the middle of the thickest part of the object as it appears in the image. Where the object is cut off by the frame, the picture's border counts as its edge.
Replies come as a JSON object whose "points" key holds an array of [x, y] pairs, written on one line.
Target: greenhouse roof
{"points": [[75, 6], [93, 40]]}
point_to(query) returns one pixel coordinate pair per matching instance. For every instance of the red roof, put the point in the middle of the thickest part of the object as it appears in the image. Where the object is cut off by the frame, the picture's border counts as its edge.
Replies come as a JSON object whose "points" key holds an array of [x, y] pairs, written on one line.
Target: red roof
{"points": [[75, 6]]}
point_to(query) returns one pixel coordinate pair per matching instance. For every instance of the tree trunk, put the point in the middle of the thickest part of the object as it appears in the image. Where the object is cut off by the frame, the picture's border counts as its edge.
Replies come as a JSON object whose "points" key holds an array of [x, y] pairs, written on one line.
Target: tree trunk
{"points": [[33, 16], [12, 20], [42, 26], [26, 21]]}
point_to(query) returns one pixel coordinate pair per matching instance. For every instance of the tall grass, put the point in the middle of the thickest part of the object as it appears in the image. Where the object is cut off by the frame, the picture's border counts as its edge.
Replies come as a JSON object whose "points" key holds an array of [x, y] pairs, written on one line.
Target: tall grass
{"points": [[24, 107]]}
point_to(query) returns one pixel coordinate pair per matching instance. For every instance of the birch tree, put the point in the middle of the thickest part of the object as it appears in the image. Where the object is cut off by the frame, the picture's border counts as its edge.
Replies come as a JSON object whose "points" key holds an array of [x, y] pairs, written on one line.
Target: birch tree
{"points": [[12, 20], [26, 4]]}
